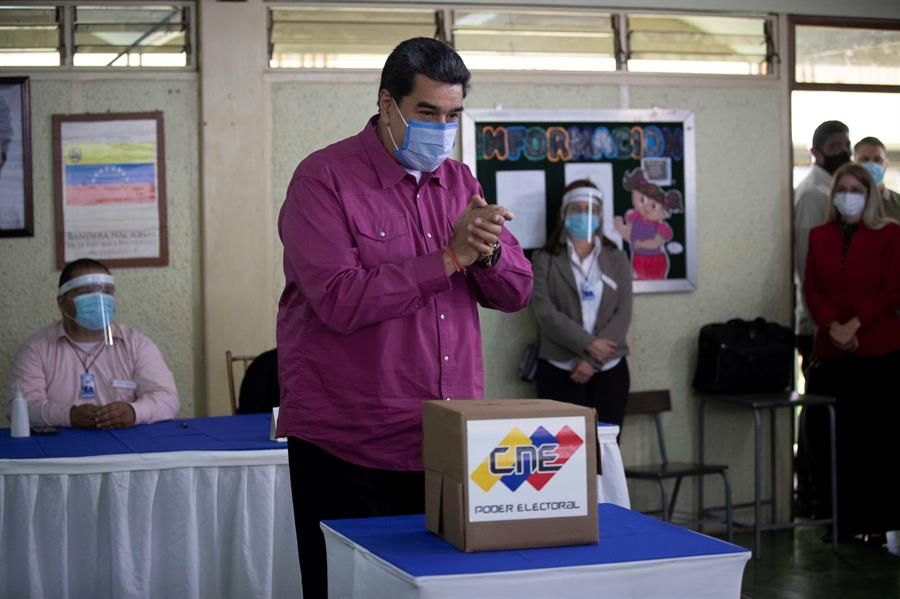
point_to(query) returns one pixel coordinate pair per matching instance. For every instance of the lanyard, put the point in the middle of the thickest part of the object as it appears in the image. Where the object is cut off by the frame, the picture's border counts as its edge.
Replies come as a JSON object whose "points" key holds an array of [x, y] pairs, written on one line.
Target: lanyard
{"points": [[587, 276], [87, 366]]}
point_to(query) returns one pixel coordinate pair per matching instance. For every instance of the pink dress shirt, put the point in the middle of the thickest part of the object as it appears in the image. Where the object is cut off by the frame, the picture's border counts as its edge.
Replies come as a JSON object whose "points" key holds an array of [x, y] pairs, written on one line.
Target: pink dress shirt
{"points": [[48, 369], [369, 324]]}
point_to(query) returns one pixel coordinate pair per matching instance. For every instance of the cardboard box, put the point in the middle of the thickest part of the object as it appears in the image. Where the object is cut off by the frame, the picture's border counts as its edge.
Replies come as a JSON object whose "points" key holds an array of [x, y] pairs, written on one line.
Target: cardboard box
{"points": [[510, 473]]}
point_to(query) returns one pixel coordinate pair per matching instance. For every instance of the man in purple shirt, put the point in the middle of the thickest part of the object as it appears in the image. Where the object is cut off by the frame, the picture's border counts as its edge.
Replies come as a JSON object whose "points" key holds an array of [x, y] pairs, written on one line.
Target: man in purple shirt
{"points": [[388, 250]]}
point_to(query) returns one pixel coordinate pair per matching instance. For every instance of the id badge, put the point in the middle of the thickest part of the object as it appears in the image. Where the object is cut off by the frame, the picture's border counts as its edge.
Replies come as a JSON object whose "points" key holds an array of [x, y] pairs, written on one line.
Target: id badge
{"points": [[586, 292], [88, 386]]}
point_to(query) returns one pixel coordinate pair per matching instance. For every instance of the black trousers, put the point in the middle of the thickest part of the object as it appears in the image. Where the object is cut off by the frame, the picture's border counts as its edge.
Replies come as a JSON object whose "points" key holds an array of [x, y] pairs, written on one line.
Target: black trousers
{"points": [[325, 487], [867, 412], [606, 392]]}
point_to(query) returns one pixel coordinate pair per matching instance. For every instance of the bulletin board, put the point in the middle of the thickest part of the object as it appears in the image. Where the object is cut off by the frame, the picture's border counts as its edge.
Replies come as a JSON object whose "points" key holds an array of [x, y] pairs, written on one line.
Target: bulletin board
{"points": [[641, 160]]}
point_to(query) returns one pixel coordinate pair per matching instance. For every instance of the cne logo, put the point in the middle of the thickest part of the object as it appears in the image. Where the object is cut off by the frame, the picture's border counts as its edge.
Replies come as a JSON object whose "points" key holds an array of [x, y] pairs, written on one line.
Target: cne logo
{"points": [[519, 458]]}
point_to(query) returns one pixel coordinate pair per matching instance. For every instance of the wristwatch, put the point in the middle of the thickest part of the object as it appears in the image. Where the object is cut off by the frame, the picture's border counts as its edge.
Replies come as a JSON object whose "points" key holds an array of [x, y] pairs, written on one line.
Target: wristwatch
{"points": [[490, 259]]}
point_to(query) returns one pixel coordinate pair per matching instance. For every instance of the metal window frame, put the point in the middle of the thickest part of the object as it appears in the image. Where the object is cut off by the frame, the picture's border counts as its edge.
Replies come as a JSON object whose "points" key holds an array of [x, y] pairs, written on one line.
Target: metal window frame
{"points": [[613, 16], [842, 23], [65, 18], [443, 19], [618, 16], [770, 33]]}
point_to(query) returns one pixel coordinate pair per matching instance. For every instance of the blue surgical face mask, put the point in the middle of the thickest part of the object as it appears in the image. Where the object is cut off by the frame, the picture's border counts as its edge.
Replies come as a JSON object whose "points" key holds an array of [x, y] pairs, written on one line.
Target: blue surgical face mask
{"points": [[876, 170], [94, 311], [850, 204], [425, 145], [581, 225]]}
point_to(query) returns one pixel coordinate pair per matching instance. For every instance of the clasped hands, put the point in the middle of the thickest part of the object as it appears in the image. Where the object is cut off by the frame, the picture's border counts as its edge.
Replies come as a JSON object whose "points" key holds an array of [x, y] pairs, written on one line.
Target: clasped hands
{"points": [[118, 414], [601, 350], [843, 336], [476, 232]]}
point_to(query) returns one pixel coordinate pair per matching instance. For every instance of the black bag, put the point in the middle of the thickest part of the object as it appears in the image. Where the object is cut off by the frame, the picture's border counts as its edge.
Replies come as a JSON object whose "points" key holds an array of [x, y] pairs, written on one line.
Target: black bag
{"points": [[528, 364], [744, 356]]}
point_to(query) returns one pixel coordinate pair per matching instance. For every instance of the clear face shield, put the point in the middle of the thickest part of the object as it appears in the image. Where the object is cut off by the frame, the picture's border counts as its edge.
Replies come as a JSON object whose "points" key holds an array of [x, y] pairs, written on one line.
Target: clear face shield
{"points": [[93, 299], [582, 210]]}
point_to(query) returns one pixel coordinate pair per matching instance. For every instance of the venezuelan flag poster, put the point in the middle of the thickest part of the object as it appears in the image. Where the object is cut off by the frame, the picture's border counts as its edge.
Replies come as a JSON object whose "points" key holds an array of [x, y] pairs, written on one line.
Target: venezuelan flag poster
{"points": [[110, 188]]}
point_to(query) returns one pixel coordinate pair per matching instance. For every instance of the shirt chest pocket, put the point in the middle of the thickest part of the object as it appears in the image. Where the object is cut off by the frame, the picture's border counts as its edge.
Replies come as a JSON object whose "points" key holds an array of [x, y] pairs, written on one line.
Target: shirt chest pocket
{"points": [[382, 240]]}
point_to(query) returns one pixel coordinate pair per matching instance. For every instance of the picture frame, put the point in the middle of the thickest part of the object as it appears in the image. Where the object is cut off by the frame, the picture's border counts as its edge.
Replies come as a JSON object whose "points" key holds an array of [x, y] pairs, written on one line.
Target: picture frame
{"points": [[16, 194], [110, 188]]}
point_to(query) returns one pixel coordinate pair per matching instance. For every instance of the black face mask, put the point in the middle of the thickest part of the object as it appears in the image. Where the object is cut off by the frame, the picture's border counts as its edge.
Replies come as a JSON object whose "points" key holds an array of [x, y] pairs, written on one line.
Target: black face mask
{"points": [[835, 161]]}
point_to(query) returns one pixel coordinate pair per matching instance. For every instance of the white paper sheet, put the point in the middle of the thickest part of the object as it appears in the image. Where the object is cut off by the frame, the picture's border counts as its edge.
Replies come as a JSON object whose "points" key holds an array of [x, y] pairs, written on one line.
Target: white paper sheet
{"points": [[524, 192]]}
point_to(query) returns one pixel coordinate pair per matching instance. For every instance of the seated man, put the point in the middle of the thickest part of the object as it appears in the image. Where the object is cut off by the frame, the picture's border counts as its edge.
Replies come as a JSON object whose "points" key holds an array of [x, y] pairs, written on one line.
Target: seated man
{"points": [[86, 371]]}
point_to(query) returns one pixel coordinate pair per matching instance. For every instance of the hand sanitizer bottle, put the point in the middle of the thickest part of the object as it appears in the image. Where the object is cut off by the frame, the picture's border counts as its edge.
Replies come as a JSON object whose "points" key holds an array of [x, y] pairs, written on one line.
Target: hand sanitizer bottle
{"points": [[19, 417]]}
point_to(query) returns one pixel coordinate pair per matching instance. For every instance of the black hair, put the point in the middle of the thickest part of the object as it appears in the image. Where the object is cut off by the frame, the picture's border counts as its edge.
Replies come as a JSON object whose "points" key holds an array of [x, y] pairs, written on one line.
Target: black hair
{"points": [[869, 141], [826, 130], [75, 266], [422, 56], [556, 240]]}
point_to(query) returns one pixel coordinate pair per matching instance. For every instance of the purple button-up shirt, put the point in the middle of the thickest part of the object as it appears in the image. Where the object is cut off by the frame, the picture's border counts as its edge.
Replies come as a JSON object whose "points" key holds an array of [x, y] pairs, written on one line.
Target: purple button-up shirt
{"points": [[369, 324]]}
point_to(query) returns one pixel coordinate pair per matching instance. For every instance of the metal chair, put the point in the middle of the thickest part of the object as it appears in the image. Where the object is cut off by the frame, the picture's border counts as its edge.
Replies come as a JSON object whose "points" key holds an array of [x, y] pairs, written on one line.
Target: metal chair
{"points": [[654, 403]]}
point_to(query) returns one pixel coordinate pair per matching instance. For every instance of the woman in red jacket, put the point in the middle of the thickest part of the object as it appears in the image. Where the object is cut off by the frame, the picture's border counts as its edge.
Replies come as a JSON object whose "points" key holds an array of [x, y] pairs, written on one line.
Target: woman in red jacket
{"points": [[852, 289]]}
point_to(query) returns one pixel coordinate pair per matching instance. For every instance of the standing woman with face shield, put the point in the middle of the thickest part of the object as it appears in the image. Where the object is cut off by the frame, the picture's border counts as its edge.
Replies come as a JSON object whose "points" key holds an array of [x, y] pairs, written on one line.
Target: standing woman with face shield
{"points": [[582, 300], [852, 290]]}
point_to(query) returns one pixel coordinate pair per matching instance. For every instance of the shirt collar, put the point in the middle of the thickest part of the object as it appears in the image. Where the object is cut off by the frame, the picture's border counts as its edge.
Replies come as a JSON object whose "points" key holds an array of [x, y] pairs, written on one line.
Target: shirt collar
{"points": [[574, 255], [388, 170], [822, 176]]}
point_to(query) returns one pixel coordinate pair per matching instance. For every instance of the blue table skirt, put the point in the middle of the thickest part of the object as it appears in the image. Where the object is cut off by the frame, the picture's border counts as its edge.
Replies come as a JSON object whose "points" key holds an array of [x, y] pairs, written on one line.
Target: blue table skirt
{"points": [[625, 536], [221, 433]]}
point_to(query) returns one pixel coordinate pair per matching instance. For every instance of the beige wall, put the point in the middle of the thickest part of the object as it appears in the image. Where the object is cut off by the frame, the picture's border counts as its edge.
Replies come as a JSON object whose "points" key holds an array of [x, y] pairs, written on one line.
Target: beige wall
{"points": [[235, 131], [238, 223], [162, 302]]}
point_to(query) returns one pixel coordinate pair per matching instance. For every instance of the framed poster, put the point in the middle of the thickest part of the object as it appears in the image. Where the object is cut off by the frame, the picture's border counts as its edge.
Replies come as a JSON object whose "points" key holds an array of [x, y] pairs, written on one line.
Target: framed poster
{"points": [[110, 188], [16, 204], [641, 160]]}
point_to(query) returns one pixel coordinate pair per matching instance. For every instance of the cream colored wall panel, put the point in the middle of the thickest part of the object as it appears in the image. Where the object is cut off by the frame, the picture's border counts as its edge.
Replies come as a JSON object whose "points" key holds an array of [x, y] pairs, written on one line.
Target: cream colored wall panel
{"points": [[237, 241]]}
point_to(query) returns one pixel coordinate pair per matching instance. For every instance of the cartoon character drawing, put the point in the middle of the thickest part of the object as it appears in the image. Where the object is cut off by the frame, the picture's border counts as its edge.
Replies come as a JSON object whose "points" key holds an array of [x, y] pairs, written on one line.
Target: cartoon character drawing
{"points": [[644, 227]]}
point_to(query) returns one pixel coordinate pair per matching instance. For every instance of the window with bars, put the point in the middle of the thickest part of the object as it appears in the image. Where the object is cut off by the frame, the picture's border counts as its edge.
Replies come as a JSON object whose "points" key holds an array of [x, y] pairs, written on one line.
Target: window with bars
{"points": [[700, 44], [526, 39], [536, 40], [152, 35], [29, 36], [112, 34], [340, 38]]}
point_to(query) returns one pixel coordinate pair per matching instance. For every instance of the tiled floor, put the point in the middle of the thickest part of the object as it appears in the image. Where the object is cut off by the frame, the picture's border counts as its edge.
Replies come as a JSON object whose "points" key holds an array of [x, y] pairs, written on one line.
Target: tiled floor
{"points": [[798, 565]]}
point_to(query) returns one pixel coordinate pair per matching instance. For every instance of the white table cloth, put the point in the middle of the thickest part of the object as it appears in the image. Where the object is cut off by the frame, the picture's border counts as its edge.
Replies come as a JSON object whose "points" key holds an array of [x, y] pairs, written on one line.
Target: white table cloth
{"points": [[204, 524], [611, 484], [137, 522], [637, 558]]}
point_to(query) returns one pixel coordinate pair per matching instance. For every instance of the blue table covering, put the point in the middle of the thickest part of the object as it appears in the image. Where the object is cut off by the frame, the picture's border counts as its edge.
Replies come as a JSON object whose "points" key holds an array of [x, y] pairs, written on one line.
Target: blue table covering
{"points": [[625, 536], [220, 433]]}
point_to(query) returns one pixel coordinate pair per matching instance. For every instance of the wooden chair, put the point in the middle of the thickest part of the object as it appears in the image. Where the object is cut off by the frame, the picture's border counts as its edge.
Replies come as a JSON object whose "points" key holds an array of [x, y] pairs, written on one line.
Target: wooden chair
{"points": [[654, 403], [230, 359]]}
